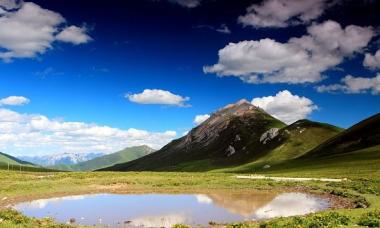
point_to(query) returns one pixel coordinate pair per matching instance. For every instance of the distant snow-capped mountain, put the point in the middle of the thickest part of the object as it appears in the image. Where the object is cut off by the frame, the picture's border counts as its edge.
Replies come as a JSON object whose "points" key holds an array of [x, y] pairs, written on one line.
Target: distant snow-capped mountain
{"points": [[60, 159]]}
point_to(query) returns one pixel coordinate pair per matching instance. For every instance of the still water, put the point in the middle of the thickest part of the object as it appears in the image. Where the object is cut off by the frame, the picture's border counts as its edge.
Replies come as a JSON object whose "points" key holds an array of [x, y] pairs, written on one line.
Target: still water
{"points": [[165, 210]]}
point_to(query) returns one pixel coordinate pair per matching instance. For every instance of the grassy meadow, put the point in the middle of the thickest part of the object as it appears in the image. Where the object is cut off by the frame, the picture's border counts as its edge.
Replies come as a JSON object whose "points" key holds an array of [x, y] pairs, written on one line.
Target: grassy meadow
{"points": [[363, 189]]}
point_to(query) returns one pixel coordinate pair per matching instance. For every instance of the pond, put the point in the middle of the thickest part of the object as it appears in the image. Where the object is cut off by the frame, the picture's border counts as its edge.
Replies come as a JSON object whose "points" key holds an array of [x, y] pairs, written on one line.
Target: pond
{"points": [[165, 210]]}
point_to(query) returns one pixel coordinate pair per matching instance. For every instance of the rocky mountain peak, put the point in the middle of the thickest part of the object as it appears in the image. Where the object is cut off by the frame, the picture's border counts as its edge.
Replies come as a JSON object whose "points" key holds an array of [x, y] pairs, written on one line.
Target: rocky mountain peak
{"points": [[239, 108], [210, 130]]}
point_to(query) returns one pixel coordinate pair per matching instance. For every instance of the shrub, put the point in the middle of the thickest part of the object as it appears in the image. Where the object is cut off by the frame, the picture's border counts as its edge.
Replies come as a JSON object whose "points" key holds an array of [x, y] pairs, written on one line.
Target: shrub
{"points": [[331, 219], [370, 219]]}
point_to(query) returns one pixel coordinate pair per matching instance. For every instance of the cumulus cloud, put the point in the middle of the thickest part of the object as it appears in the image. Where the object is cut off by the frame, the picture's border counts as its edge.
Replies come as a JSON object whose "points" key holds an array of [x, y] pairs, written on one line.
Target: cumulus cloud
{"points": [[37, 134], [29, 30], [283, 13], [201, 118], [372, 61], [285, 106], [351, 84], [300, 60], [14, 100], [158, 96], [75, 35]]}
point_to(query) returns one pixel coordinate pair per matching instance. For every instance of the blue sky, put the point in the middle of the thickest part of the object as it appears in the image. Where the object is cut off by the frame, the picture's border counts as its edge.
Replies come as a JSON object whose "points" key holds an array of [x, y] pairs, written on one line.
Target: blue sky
{"points": [[85, 68]]}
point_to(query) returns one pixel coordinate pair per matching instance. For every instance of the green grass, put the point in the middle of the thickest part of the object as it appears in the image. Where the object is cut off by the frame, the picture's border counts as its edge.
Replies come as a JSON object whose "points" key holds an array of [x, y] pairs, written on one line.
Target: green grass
{"points": [[23, 168], [13, 219]]}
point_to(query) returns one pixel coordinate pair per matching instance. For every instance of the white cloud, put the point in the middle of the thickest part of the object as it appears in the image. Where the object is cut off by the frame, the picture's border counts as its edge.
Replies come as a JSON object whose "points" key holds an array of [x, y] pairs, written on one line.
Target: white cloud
{"points": [[9, 4], [74, 34], [372, 61], [283, 13], [14, 100], [157, 96], [28, 30], [351, 84], [301, 204], [285, 106], [222, 29], [203, 199], [300, 60], [187, 3], [201, 118], [35, 134]]}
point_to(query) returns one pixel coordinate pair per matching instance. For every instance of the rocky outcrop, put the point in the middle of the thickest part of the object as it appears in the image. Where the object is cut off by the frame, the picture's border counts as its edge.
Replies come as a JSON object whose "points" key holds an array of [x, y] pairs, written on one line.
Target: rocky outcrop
{"points": [[269, 135], [230, 151]]}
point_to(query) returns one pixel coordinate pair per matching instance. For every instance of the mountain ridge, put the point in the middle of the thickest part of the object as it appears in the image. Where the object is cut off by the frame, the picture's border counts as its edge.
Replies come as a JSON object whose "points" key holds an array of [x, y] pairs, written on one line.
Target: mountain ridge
{"points": [[127, 154], [60, 158], [6, 158]]}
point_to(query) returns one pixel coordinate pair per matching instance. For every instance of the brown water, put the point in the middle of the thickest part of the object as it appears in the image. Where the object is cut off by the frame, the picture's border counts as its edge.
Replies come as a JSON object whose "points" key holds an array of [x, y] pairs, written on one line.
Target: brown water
{"points": [[165, 210]]}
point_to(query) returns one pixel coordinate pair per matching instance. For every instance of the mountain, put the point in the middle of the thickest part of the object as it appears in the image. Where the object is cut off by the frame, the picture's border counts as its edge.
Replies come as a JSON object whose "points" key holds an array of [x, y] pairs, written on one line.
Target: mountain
{"points": [[128, 154], [239, 136], [360, 136], [353, 151], [8, 162], [232, 135], [291, 142], [8, 159], [60, 159]]}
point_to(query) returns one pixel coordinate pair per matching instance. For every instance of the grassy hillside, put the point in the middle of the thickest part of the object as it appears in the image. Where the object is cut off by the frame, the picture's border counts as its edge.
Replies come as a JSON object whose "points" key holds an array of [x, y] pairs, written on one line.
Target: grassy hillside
{"points": [[5, 158], [355, 150], [128, 154], [362, 135], [292, 142], [12, 163]]}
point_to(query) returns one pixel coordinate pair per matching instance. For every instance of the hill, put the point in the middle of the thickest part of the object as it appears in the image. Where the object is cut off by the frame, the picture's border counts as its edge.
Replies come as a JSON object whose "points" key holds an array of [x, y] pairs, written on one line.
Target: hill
{"points": [[229, 137], [357, 146], [12, 163], [360, 136], [128, 154], [5, 158], [298, 138]]}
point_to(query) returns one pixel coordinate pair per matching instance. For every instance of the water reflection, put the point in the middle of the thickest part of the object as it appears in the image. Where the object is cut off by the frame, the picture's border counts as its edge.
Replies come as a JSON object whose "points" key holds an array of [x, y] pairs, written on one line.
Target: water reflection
{"points": [[168, 220], [289, 204], [165, 210]]}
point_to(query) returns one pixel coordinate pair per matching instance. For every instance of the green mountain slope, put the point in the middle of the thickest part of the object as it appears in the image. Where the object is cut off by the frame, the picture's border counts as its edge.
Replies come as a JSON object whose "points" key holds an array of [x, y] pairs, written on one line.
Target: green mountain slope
{"points": [[351, 152], [292, 142], [362, 135], [128, 154], [5, 158], [15, 164], [230, 136]]}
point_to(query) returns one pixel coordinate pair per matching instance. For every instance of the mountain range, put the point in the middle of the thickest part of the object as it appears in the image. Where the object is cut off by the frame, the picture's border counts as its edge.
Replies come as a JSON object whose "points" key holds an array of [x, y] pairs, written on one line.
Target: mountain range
{"points": [[128, 154], [60, 159], [243, 138]]}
